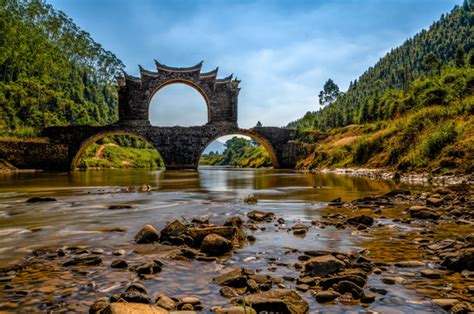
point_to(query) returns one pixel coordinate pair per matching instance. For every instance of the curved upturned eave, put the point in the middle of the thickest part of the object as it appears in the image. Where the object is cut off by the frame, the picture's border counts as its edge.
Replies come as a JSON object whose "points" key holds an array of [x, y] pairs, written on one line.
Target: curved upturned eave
{"points": [[224, 80], [144, 72], [132, 78], [211, 74], [162, 67]]}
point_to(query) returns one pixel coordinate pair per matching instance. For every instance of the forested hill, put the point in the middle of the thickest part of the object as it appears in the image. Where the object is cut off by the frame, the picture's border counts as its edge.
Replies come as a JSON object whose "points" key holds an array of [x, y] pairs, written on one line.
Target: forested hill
{"points": [[374, 96], [51, 71]]}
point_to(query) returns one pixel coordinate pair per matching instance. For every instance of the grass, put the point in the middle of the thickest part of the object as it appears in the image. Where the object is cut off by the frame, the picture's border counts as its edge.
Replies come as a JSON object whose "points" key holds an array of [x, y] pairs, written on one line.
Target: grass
{"points": [[109, 154]]}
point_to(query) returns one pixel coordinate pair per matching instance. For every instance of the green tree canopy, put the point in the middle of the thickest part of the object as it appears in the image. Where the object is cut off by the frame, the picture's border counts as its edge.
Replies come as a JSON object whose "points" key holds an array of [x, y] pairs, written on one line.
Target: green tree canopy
{"points": [[329, 93], [51, 71]]}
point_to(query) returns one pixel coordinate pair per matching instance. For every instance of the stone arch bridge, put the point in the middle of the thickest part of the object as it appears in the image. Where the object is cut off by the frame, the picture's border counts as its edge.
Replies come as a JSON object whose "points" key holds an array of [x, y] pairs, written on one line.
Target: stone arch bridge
{"points": [[180, 147]]}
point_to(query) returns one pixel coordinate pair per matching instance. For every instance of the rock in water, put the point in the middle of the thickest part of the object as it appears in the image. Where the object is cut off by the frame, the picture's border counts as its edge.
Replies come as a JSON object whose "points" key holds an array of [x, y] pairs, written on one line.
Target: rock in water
{"points": [[234, 278], [136, 293], [321, 266], [431, 273], [446, 304], [120, 206], [277, 301], [258, 215], [422, 212], [130, 308], [409, 264], [99, 305], [119, 263], [148, 234], [173, 229], [228, 292], [235, 310], [464, 259], [215, 245], [166, 302], [84, 261], [393, 193], [349, 287], [40, 200], [148, 268], [234, 221], [360, 220], [326, 296], [198, 234], [145, 188]]}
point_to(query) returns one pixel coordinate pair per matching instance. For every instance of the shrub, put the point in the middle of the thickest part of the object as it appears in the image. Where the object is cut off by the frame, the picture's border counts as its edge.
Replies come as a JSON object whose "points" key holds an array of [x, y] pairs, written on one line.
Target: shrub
{"points": [[82, 164], [442, 137]]}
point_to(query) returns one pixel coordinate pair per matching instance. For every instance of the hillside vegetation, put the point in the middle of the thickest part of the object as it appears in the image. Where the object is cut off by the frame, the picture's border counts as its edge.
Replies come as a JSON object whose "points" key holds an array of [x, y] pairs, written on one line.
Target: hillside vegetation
{"points": [[241, 153], [51, 71], [437, 137]]}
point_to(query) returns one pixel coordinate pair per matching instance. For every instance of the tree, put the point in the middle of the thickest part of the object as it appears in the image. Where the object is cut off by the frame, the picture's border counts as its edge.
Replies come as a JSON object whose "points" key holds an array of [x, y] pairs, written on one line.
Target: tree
{"points": [[259, 124], [459, 59], [329, 93], [471, 59], [432, 63]]}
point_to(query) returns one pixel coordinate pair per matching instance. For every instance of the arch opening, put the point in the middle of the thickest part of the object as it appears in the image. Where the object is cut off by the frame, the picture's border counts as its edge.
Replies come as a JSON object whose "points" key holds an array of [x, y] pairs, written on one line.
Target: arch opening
{"points": [[178, 103], [117, 150], [240, 150]]}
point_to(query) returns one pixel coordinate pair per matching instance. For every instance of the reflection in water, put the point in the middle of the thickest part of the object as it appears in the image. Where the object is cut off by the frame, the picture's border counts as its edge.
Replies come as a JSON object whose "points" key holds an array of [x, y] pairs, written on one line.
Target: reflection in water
{"points": [[83, 198]]}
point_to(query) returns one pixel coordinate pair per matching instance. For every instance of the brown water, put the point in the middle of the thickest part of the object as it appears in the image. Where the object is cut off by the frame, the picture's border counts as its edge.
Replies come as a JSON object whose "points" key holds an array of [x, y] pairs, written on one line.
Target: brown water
{"points": [[81, 210]]}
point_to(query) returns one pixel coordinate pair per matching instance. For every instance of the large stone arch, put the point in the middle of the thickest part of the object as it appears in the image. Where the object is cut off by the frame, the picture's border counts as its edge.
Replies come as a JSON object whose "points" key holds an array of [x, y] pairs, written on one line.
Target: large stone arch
{"points": [[82, 147], [135, 93], [186, 82], [253, 135]]}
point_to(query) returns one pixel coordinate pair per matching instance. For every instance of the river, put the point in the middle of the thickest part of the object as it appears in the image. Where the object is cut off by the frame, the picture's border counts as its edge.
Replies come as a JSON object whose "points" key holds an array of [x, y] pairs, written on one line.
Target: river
{"points": [[80, 216]]}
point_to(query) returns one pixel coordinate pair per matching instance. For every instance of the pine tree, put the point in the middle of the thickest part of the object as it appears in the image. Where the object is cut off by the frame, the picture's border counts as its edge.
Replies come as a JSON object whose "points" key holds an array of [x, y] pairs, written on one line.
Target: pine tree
{"points": [[329, 93]]}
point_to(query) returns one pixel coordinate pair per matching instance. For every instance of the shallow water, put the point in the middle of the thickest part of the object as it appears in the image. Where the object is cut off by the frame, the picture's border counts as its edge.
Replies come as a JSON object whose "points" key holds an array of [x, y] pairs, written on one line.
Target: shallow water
{"points": [[81, 211]]}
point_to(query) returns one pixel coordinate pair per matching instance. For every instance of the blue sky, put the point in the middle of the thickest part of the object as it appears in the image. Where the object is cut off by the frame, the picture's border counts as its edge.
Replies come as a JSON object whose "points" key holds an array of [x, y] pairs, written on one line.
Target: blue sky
{"points": [[283, 51]]}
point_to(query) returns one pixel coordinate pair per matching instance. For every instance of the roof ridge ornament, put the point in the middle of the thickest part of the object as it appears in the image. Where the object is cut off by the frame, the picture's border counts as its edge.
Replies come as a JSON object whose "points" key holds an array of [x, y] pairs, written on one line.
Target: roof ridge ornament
{"points": [[163, 67]]}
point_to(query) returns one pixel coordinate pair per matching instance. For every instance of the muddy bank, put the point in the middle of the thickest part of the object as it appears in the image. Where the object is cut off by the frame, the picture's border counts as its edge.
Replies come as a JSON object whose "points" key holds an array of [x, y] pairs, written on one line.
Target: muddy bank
{"points": [[414, 252], [8, 168]]}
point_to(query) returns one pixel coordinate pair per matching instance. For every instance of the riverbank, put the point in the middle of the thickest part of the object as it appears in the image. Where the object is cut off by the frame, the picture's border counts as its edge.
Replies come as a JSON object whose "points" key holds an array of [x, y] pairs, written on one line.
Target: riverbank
{"points": [[435, 139], [393, 249], [410, 178]]}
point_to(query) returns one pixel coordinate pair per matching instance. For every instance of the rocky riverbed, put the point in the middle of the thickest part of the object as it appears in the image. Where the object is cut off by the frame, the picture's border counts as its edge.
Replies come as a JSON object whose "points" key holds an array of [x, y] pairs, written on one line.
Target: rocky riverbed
{"points": [[414, 251]]}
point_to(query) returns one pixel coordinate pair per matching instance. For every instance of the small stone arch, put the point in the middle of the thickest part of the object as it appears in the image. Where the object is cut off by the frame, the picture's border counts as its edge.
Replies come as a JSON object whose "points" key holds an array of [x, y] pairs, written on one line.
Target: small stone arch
{"points": [[262, 140], [92, 139]]}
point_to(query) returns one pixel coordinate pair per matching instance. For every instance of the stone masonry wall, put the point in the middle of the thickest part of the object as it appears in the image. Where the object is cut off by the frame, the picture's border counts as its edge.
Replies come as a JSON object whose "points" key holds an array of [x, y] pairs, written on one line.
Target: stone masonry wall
{"points": [[34, 154], [180, 147]]}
